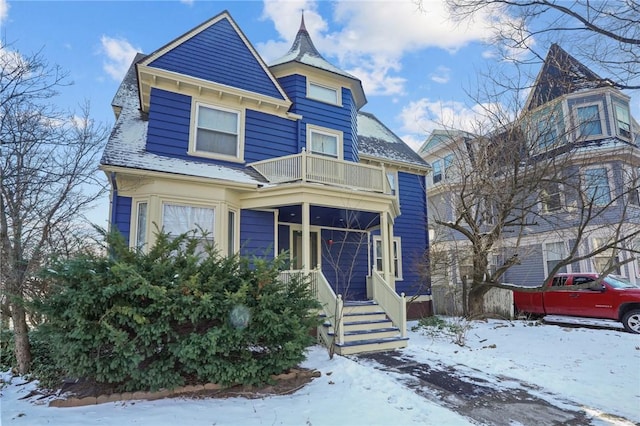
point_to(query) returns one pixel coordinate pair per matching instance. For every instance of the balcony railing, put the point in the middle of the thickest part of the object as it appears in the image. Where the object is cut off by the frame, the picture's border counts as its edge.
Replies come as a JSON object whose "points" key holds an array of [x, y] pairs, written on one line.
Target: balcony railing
{"points": [[315, 168]]}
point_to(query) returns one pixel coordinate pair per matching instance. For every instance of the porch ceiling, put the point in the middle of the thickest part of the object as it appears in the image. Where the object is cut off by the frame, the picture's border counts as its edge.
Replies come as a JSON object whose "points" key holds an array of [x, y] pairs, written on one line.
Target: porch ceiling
{"points": [[331, 217]]}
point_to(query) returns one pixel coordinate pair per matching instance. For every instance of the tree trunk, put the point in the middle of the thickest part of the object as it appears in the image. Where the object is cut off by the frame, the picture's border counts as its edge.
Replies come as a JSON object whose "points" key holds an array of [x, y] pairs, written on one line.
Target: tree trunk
{"points": [[21, 337], [476, 300]]}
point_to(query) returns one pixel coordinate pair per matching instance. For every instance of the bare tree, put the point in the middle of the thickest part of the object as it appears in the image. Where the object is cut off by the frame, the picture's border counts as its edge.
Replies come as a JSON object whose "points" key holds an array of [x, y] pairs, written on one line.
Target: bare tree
{"points": [[48, 176], [523, 178], [604, 34]]}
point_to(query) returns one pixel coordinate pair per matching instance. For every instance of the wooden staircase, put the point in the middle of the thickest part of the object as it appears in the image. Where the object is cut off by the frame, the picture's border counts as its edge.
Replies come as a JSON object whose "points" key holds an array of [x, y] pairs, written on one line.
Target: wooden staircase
{"points": [[366, 328]]}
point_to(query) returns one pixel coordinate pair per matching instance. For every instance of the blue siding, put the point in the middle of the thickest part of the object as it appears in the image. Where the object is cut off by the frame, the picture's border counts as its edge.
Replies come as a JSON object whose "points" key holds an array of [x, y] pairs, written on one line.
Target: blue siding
{"points": [[411, 227], [268, 136], [256, 233], [169, 120], [341, 118], [219, 54], [345, 263], [122, 215]]}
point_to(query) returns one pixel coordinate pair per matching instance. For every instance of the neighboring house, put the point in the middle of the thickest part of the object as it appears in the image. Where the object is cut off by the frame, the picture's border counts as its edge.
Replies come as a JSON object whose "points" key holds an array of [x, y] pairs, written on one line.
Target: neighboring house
{"points": [[570, 112], [273, 158]]}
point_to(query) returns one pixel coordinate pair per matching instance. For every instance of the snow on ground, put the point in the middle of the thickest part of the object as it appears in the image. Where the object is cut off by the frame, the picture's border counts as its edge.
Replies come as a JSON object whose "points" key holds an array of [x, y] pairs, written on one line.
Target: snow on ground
{"points": [[598, 369]]}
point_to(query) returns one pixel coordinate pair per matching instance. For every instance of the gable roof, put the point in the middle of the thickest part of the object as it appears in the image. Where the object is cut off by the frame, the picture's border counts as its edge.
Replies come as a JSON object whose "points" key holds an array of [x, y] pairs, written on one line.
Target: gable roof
{"points": [[217, 51], [377, 141], [126, 146], [560, 75]]}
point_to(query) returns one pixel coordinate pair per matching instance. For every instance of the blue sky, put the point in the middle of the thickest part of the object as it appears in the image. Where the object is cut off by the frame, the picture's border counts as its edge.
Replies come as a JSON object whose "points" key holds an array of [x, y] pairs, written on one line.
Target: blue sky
{"points": [[417, 66]]}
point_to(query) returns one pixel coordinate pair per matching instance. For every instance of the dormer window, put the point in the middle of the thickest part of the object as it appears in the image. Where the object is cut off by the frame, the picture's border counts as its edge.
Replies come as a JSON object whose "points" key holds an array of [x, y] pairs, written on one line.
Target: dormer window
{"points": [[323, 93], [216, 133], [589, 120], [623, 119]]}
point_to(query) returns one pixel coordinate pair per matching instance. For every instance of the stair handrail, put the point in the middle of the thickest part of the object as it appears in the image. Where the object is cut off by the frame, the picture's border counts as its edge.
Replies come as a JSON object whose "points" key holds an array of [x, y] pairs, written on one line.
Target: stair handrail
{"points": [[393, 304], [323, 293], [331, 303]]}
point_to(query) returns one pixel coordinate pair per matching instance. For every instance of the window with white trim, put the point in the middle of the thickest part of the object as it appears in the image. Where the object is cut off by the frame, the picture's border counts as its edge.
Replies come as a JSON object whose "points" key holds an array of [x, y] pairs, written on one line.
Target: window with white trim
{"points": [[605, 258], [596, 186], [179, 219], [589, 120], [141, 224], [231, 233], [553, 253], [217, 132], [550, 197], [323, 93], [448, 167], [392, 178], [623, 119], [324, 142], [396, 253], [547, 134], [437, 171]]}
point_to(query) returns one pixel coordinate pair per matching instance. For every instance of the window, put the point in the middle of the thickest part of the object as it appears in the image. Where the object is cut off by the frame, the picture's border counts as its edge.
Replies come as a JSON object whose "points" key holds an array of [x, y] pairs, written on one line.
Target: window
{"points": [[141, 225], [231, 233], [324, 143], [547, 134], [606, 258], [597, 189], [633, 188], [395, 253], [323, 93], [448, 163], [636, 253], [392, 178], [550, 197], [179, 219], [437, 171], [554, 253], [623, 120], [217, 131], [588, 121]]}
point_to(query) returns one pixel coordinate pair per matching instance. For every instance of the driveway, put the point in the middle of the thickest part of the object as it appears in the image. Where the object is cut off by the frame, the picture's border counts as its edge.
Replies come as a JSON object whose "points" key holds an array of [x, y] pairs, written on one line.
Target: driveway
{"points": [[477, 397]]}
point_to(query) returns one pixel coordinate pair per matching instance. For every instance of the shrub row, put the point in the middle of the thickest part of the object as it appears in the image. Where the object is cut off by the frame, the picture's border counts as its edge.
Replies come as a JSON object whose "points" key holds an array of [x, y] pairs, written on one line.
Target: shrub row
{"points": [[175, 315]]}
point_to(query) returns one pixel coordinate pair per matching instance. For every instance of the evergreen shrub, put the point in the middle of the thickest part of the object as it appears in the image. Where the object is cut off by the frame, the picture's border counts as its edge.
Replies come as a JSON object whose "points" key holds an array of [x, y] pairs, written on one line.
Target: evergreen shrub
{"points": [[175, 315]]}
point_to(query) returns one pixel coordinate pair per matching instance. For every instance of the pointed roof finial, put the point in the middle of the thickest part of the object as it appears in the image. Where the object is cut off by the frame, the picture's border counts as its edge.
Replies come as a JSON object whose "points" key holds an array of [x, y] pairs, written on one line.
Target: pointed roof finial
{"points": [[302, 27]]}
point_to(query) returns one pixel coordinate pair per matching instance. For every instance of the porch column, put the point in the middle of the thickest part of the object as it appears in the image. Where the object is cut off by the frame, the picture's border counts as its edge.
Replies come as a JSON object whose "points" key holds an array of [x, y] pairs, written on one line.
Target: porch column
{"points": [[384, 236], [391, 280], [306, 238]]}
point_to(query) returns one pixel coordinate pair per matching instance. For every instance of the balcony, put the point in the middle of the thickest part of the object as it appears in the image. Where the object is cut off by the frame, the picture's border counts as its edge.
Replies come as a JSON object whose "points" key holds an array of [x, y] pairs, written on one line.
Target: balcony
{"points": [[305, 167]]}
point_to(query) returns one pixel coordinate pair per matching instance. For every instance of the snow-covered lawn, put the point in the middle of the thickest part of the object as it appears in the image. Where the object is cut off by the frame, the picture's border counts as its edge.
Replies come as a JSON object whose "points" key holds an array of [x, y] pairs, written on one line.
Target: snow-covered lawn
{"points": [[597, 369]]}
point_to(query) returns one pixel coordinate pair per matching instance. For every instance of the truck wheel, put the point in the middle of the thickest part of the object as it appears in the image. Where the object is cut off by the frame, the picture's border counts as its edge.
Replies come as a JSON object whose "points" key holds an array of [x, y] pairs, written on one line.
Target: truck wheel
{"points": [[631, 321]]}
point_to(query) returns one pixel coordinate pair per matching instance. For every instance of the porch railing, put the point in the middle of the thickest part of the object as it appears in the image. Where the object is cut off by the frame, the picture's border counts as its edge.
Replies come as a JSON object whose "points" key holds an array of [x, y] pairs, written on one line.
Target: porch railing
{"points": [[331, 304], [394, 305], [307, 167]]}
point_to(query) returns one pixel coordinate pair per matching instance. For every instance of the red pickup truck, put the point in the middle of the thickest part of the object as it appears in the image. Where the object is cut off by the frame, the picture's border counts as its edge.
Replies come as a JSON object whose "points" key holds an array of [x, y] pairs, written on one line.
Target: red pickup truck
{"points": [[611, 297]]}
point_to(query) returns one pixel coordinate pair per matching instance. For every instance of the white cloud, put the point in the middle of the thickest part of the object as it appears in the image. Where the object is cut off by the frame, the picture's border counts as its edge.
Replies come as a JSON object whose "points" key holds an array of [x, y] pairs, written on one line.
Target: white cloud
{"points": [[119, 55], [441, 75], [373, 35], [423, 116], [187, 2], [4, 10]]}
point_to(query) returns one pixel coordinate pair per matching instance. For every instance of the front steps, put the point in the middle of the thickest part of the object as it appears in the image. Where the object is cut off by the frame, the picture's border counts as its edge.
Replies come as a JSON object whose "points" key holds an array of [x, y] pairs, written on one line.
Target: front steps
{"points": [[366, 329]]}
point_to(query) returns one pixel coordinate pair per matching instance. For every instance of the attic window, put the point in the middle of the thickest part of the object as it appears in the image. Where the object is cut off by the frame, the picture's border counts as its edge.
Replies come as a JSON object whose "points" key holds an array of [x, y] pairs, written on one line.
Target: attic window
{"points": [[323, 93], [623, 120], [589, 121], [216, 133]]}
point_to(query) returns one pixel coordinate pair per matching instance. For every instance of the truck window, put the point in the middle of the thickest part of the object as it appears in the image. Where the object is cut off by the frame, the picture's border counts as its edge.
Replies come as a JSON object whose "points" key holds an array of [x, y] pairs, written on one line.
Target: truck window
{"points": [[559, 281]]}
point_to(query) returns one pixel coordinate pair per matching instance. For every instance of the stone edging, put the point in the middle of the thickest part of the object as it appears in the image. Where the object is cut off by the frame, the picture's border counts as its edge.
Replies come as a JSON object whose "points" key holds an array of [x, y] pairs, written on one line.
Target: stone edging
{"points": [[165, 393]]}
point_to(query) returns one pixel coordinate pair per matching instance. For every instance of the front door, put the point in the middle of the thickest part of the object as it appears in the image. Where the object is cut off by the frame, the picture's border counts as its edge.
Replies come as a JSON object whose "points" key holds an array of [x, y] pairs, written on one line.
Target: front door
{"points": [[296, 250]]}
